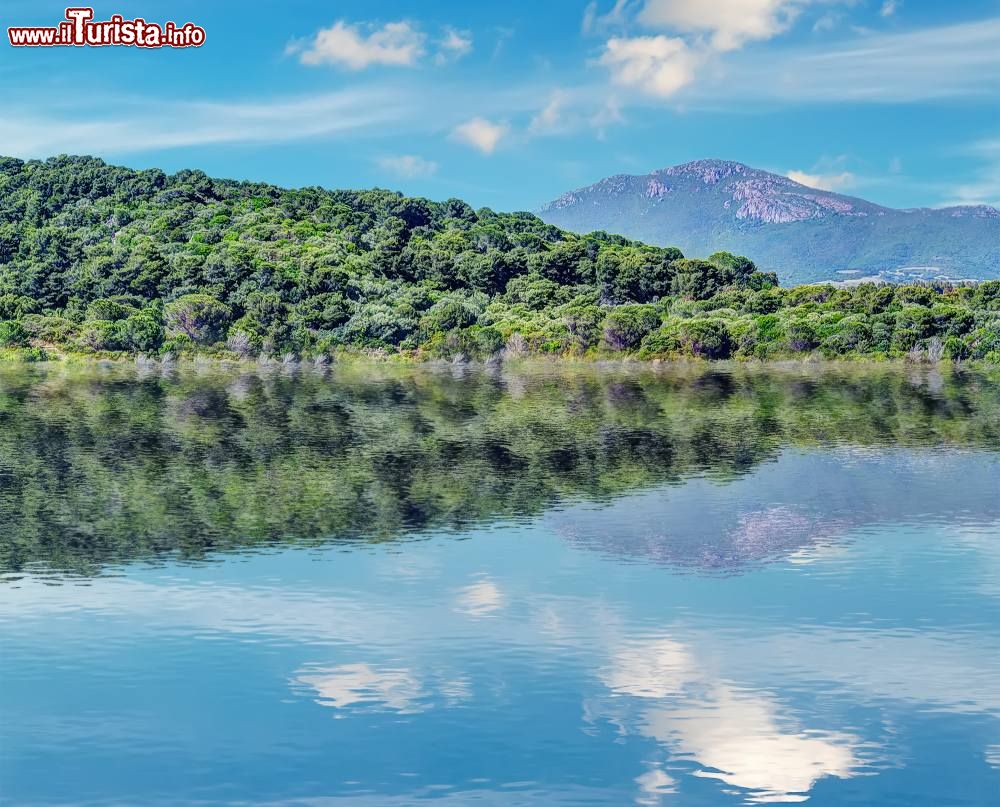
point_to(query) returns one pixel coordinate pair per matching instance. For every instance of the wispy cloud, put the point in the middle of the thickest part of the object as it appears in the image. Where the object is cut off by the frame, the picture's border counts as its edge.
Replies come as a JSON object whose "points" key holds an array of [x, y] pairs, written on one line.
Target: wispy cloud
{"points": [[826, 22], [954, 61], [153, 124], [985, 189], [569, 110], [890, 7], [551, 118], [595, 22], [453, 45], [407, 166]]}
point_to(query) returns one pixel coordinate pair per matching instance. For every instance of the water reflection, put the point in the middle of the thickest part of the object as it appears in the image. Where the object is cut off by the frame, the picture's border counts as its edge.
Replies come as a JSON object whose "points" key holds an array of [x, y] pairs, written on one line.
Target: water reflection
{"points": [[358, 684], [767, 687], [654, 784], [993, 755], [481, 598], [560, 633], [798, 506], [103, 466], [735, 735]]}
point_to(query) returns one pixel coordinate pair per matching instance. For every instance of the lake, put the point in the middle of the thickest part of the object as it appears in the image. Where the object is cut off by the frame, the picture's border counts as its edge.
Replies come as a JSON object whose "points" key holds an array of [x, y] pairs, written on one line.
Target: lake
{"points": [[542, 585]]}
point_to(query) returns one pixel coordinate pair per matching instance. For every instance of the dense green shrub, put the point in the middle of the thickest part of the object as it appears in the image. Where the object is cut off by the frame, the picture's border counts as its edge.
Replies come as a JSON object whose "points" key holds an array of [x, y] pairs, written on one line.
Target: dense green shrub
{"points": [[801, 336], [956, 349], [109, 310], [456, 310], [99, 334], [583, 323], [140, 333], [16, 306], [50, 328], [705, 338], [13, 334], [626, 325], [377, 325], [661, 342], [201, 318]]}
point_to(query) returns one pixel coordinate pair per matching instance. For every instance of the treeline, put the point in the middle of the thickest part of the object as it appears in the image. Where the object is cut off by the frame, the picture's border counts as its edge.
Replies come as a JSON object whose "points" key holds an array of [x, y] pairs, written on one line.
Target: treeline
{"points": [[103, 259]]}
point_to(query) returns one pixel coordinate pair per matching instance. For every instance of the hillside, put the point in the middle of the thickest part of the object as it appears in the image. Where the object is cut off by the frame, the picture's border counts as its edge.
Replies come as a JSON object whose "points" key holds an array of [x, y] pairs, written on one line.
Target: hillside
{"points": [[802, 233], [106, 260]]}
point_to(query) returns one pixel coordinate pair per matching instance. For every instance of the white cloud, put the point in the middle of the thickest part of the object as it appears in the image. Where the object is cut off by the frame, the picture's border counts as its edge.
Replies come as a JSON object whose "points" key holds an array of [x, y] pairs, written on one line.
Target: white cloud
{"points": [[824, 182], [481, 134], [655, 65], [948, 61], [408, 166], [890, 7], [453, 46], [661, 65], [396, 44], [730, 23]]}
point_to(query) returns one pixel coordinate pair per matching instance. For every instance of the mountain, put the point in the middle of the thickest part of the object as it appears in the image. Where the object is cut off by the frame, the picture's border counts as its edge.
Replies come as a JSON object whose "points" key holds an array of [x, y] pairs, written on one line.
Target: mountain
{"points": [[802, 233]]}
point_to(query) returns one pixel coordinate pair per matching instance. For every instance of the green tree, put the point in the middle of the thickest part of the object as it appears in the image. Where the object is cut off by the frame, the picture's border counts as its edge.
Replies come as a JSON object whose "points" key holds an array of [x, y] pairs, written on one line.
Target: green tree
{"points": [[705, 338], [13, 334], [626, 325], [201, 318]]}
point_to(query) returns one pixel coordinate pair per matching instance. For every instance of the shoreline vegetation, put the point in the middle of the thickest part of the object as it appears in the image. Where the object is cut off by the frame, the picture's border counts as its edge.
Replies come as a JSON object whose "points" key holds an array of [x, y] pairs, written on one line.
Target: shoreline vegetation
{"points": [[101, 262], [223, 360]]}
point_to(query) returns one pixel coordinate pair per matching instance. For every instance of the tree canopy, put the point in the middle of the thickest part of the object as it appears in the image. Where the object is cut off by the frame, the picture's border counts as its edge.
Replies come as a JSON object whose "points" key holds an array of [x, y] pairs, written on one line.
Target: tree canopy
{"points": [[105, 259]]}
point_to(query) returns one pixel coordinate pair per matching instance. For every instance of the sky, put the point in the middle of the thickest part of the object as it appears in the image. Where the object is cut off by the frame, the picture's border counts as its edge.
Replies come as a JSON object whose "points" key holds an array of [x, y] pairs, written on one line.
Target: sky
{"points": [[509, 105]]}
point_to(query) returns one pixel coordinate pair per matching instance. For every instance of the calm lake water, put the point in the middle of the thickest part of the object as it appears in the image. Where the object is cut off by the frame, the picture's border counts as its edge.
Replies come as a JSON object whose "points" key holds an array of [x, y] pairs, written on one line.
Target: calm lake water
{"points": [[608, 586]]}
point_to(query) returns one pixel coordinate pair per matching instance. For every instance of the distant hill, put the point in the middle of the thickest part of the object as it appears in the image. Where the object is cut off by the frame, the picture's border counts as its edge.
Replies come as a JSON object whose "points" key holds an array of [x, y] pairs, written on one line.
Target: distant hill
{"points": [[802, 233]]}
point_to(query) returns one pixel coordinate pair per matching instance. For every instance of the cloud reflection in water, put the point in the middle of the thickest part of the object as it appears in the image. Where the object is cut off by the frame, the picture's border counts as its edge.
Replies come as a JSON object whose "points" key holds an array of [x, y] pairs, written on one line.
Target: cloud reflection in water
{"points": [[735, 735]]}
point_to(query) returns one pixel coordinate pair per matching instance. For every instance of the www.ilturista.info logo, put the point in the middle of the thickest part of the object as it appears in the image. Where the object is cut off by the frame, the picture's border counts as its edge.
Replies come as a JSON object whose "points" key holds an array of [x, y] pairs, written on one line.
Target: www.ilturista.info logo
{"points": [[79, 29]]}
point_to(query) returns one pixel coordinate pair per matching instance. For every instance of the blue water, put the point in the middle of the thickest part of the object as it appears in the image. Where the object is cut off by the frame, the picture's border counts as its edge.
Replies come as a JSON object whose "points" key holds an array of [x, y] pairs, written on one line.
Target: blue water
{"points": [[823, 627]]}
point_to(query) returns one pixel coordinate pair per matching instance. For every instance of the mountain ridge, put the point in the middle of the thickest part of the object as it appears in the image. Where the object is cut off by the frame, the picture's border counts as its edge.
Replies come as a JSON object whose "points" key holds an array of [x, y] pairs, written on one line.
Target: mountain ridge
{"points": [[802, 232]]}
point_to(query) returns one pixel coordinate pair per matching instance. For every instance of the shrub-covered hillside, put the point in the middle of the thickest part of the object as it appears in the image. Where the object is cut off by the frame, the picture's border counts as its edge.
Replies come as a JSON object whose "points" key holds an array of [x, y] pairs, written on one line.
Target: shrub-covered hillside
{"points": [[97, 258]]}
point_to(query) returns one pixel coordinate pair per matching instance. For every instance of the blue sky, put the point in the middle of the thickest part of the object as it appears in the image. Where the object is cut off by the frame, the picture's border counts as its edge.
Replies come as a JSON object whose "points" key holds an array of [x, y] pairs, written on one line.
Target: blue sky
{"points": [[511, 104]]}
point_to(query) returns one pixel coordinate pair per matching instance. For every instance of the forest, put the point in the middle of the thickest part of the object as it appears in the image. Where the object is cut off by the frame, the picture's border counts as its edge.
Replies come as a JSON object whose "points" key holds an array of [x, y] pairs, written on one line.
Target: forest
{"points": [[109, 261]]}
